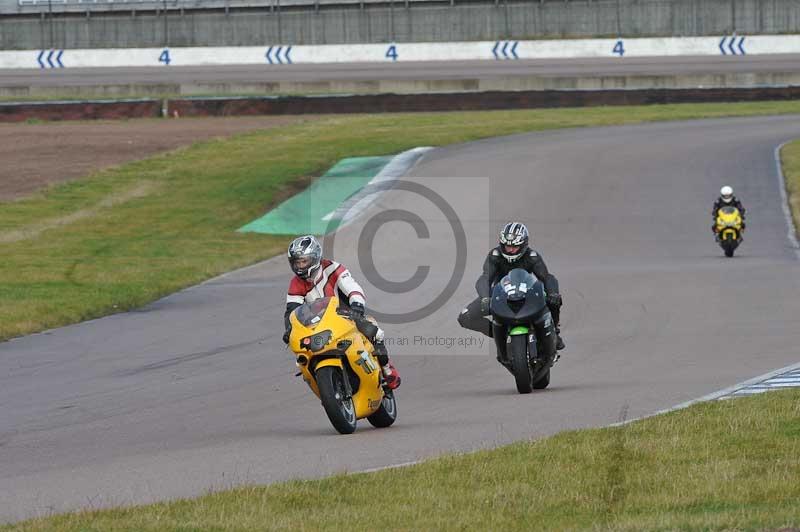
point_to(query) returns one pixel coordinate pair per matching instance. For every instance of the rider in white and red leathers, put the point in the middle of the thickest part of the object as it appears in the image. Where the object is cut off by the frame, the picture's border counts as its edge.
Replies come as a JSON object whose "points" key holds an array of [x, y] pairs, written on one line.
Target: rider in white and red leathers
{"points": [[316, 278]]}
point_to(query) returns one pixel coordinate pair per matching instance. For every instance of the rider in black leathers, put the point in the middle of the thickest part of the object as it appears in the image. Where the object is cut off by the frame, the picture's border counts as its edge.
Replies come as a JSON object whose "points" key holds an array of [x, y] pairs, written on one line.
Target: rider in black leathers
{"points": [[513, 252]]}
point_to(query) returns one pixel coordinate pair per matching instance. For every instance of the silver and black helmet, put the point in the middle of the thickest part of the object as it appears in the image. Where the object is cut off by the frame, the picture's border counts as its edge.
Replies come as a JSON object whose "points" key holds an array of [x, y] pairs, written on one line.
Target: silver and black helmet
{"points": [[513, 241], [305, 256]]}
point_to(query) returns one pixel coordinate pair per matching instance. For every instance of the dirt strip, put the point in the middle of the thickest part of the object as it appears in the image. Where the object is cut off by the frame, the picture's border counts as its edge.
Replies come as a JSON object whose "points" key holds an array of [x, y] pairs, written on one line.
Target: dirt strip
{"points": [[37, 155]]}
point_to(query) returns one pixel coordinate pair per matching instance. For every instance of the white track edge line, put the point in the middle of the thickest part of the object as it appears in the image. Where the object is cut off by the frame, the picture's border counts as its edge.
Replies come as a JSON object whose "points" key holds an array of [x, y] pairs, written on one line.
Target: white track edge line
{"points": [[715, 395], [787, 211], [710, 397], [400, 165], [384, 468]]}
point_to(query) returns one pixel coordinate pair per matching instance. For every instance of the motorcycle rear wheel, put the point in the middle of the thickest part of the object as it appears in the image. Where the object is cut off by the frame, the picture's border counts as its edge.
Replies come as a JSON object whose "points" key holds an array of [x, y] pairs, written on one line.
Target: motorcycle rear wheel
{"points": [[340, 409], [520, 364], [386, 414]]}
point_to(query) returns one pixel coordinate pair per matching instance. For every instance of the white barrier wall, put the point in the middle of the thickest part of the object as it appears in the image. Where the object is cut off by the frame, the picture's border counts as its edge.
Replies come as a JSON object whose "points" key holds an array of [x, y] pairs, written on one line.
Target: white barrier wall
{"points": [[286, 54]]}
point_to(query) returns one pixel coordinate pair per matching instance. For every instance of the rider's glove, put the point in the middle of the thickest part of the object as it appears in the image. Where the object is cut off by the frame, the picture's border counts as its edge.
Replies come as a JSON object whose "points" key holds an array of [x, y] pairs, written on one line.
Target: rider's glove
{"points": [[286, 336], [357, 309], [554, 300], [485, 304]]}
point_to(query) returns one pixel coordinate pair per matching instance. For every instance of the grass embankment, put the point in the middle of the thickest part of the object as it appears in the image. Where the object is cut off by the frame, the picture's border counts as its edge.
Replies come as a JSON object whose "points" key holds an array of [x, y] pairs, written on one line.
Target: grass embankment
{"points": [[790, 160], [126, 236], [731, 465]]}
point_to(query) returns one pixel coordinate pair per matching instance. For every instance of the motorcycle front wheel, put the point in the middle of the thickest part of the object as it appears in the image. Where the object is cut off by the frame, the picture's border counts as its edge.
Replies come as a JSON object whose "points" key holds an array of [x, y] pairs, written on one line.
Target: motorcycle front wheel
{"points": [[520, 364], [728, 247], [339, 408]]}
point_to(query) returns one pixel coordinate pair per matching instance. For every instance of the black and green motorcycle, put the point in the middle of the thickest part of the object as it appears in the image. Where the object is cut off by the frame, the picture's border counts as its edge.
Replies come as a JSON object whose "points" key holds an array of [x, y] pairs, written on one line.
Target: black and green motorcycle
{"points": [[524, 332]]}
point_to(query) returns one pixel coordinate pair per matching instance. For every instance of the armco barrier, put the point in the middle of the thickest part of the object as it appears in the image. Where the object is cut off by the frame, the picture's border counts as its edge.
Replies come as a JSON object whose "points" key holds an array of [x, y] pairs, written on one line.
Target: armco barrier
{"points": [[384, 103], [88, 110], [531, 82]]}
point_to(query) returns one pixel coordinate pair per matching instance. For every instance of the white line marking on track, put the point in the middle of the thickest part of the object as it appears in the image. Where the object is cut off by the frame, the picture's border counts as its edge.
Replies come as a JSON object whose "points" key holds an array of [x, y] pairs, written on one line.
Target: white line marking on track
{"points": [[748, 387], [384, 468], [787, 211], [788, 377]]}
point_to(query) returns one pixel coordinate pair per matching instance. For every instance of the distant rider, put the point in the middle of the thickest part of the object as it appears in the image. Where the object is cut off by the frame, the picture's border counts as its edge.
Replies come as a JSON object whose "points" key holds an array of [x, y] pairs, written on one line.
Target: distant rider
{"points": [[726, 199], [513, 252], [316, 278]]}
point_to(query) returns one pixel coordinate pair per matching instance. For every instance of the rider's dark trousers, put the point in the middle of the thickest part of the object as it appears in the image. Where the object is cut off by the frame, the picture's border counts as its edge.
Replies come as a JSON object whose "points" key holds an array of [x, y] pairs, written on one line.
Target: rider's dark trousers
{"points": [[369, 327], [472, 318]]}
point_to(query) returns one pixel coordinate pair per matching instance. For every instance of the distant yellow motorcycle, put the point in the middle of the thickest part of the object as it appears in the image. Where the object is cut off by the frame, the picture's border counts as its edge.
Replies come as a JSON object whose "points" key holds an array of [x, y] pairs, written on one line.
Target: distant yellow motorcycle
{"points": [[729, 229], [339, 365]]}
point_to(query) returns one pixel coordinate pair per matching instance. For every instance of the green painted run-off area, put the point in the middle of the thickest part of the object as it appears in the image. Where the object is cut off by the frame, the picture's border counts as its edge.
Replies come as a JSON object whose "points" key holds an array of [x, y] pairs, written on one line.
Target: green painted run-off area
{"points": [[309, 212]]}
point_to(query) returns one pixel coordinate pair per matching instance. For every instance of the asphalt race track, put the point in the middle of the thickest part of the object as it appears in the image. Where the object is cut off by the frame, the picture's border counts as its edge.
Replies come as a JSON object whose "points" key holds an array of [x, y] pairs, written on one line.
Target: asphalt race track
{"points": [[456, 70], [196, 391]]}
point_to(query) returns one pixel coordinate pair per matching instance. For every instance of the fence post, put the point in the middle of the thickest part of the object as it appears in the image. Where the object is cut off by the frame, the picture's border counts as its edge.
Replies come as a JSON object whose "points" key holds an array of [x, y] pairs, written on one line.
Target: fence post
{"points": [[391, 20], [280, 27], [507, 22], [50, 24], [166, 26]]}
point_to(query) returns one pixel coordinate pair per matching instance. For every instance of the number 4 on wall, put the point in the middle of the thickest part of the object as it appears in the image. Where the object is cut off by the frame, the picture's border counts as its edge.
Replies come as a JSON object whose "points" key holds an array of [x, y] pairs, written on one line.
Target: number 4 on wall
{"points": [[391, 53], [164, 57], [619, 49]]}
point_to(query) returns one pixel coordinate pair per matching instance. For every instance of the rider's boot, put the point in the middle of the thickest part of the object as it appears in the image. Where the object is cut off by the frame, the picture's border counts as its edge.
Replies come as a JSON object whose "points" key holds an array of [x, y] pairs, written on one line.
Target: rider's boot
{"points": [[390, 374], [559, 341]]}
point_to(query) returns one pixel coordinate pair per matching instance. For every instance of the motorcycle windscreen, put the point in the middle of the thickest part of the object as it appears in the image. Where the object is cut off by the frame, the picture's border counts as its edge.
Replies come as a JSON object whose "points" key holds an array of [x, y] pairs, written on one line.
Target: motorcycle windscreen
{"points": [[518, 296], [309, 314], [516, 284]]}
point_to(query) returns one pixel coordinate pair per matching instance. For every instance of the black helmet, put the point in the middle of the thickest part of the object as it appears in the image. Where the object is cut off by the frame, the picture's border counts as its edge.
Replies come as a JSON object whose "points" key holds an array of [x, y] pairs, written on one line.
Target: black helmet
{"points": [[305, 255], [513, 241]]}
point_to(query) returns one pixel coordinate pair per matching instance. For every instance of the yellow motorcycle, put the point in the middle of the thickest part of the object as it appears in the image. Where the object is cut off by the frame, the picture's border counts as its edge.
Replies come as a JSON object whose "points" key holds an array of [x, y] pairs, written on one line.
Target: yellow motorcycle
{"points": [[729, 229], [339, 365]]}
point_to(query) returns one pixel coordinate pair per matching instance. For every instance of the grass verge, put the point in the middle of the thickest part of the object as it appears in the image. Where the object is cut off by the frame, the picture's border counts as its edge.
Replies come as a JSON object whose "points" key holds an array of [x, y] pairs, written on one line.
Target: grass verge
{"points": [[790, 161], [126, 236], [730, 465]]}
